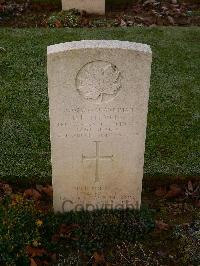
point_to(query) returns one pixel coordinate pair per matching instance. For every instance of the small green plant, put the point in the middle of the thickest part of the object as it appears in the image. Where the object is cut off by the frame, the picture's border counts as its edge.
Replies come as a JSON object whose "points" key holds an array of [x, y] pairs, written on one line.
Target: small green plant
{"points": [[53, 21], [193, 13], [70, 19]]}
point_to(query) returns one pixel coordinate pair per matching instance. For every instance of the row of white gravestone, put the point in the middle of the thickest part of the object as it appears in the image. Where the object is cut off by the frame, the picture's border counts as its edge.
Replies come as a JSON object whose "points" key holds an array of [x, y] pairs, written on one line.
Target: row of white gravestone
{"points": [[90, 6], [98, 94]]}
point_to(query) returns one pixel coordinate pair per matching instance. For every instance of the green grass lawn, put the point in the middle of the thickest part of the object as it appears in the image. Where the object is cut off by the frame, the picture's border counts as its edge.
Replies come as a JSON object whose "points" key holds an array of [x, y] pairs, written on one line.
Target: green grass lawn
{"points": [[174, 109]]}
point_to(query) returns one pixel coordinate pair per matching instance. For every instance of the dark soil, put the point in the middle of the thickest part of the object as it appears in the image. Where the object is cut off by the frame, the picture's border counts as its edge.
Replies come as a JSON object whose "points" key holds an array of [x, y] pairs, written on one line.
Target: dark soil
{"points": [[147, 13]]}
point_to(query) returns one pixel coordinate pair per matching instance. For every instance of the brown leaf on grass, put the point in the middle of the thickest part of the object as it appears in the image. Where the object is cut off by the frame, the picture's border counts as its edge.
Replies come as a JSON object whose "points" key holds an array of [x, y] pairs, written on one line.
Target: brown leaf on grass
{"points": [[175, 191], [32, 194], [190, 186], [40, 257], [197, 203], [55, 238], [35, 252], [161, 226], [53, 258], [123, 23], [58, 24], [39, 188], [149, 2], [66, 230], [99, 259], [7, 189], [40, 262], [161, 192], [33, 263], [84, 21], [48, 190], [171, 20], [192, 190]]}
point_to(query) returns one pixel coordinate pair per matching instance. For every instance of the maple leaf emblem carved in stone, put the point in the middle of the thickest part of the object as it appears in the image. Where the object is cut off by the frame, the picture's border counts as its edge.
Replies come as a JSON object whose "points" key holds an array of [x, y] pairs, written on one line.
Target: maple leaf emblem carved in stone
{"points": [[98, 81]]}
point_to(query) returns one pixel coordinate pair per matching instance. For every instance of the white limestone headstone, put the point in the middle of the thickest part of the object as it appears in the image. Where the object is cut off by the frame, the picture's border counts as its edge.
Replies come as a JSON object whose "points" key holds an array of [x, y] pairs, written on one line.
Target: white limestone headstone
{"points": [[90, 6], [98, 95]]}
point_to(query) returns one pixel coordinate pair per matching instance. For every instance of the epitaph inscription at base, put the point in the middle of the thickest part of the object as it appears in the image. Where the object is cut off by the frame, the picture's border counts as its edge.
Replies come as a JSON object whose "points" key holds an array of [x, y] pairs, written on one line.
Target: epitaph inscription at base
{"points": [[98, 96]]}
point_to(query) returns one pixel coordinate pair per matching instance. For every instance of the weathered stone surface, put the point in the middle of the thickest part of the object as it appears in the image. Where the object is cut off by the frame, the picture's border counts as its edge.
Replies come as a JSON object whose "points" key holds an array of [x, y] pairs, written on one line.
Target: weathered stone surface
{"points": [[98, 93], [90, 6]]}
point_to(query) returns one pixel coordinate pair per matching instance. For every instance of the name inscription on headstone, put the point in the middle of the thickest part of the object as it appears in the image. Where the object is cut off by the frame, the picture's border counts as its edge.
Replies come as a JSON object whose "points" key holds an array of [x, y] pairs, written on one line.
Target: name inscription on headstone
{"points": [[96, 122]]}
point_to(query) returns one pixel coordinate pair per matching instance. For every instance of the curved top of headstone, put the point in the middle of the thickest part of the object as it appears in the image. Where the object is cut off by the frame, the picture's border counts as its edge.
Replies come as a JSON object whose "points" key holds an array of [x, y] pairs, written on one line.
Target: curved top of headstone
{"points": [[94, 44]]}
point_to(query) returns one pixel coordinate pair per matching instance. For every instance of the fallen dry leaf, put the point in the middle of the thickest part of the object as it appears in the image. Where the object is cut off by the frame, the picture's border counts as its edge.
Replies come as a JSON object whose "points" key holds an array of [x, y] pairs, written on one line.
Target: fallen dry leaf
{"points": [[40, 257], [33, 263], [48, 190], [58, 24], [39, 188], [171, 20], [123, 23], [161, 226], [161, 192], [197, 203], [7, 189], [192, 190], [99, 259], [175, 191], [190, 186], [55, 238], [40, 262], [35, 252], [66, 230], [53, 258], [32, 194]]}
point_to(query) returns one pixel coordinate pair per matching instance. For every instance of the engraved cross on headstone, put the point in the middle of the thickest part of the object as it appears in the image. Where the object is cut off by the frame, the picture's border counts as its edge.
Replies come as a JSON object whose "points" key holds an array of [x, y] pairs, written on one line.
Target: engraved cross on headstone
{"points": [[97, 158]]}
